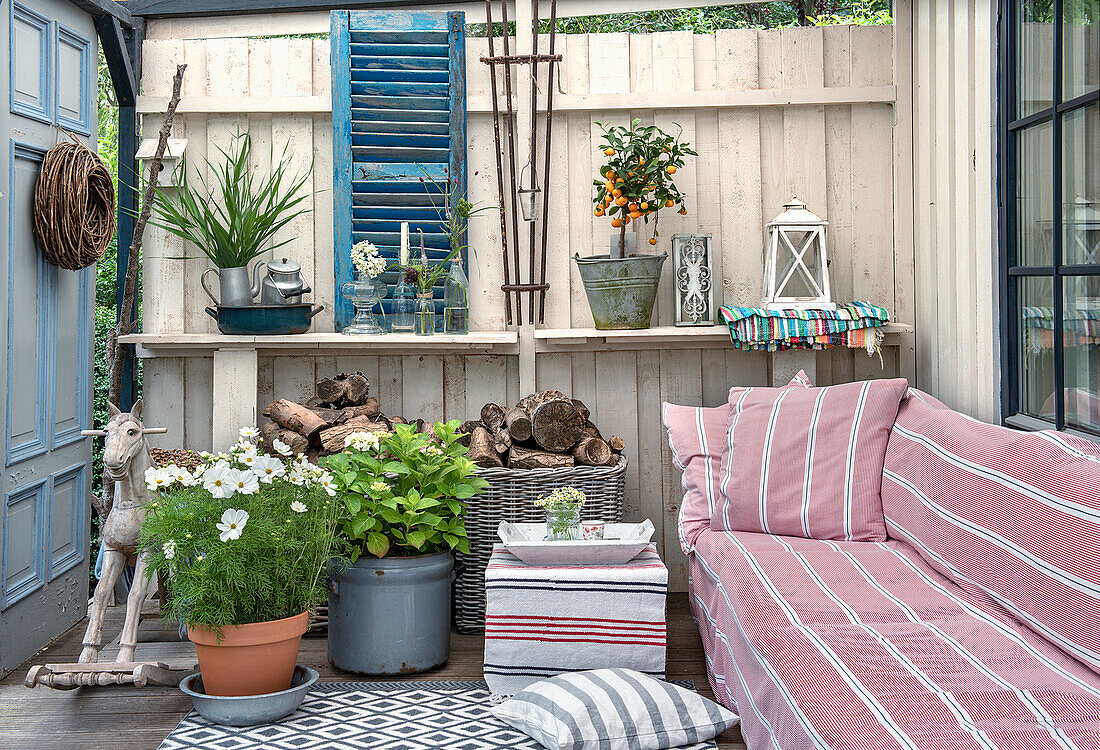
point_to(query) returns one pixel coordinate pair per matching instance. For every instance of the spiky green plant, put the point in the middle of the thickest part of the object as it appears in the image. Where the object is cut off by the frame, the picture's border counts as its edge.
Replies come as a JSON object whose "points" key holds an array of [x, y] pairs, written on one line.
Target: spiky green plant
{"points": [[233, 218]]}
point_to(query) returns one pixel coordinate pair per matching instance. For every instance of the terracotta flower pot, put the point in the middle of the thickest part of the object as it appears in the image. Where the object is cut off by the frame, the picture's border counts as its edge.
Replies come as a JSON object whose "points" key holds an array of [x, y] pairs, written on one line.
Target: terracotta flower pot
{"points": [[251, 659]]}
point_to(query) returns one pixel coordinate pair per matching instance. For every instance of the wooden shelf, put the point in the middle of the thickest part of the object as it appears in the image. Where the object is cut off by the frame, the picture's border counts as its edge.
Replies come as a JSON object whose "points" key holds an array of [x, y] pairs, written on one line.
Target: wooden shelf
{"points": [[661, 337], [204, 344]]}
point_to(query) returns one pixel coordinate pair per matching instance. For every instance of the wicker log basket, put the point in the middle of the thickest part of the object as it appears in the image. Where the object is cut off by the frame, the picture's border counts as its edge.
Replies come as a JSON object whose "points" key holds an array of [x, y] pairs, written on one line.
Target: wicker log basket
{"points": [[510, 497]]}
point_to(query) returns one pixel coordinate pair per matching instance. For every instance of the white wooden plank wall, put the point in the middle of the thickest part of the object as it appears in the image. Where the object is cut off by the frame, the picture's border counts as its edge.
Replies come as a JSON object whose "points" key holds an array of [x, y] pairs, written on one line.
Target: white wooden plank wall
{"points": [[839, 158], [955, 222]]}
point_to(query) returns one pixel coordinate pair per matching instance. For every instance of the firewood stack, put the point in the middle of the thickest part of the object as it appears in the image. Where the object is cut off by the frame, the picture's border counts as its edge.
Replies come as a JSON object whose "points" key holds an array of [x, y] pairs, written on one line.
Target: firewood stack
{"points": [[545, 430], [318, 427]]}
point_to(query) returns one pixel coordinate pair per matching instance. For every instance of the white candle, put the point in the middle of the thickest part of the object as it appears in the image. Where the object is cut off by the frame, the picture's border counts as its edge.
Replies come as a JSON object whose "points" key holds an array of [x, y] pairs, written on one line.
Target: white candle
{"points": [[404, 256]]}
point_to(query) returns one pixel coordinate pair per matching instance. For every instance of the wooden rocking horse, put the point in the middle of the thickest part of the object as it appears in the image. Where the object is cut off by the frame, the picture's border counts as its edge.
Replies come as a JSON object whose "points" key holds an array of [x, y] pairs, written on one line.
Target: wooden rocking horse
{"points": [[126, 456]]}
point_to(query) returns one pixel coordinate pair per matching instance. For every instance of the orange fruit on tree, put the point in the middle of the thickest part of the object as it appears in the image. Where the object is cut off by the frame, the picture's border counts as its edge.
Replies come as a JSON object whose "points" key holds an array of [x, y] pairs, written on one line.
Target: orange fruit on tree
{"points": [[633, 206], [599, 212], [635, 214], [609, 185], [621, 200], [653, 240], [670, 203], [616, 192], [645, 205], [616, 222], [670, 169], [609, 151], [683, 212]]}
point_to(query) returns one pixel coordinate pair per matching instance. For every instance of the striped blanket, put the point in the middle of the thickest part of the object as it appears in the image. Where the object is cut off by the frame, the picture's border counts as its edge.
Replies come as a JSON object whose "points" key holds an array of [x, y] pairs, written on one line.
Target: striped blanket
{"points": [[541, 621], [857, 325]]}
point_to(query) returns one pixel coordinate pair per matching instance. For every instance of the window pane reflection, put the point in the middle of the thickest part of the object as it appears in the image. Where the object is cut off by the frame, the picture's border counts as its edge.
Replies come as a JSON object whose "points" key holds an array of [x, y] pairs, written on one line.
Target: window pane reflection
{"points": [[1036, 304], [1081, 185], [1080, 47], [1082, 351], [1035, 195], [1034, 53]]}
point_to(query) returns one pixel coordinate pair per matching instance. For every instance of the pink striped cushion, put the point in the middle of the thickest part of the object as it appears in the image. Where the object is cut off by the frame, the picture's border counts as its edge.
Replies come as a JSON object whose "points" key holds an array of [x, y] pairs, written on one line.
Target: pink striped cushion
{"points": [[808, 461], [697, 438], [1011, 516]]}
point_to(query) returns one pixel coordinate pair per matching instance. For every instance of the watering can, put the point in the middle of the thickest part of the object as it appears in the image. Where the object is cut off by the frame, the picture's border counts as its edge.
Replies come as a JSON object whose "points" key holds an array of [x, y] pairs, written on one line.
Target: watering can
{"points": [[234, 285]]}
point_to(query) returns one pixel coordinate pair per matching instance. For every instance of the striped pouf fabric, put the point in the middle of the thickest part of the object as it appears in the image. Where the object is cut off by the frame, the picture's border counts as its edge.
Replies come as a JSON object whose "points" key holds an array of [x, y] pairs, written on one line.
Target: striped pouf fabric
{"points": [[541, 621]]}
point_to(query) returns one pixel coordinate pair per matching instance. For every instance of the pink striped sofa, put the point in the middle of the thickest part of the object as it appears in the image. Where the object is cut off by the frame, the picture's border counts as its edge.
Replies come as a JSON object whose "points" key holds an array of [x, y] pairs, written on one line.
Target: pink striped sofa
{"points": [[975, 622]]}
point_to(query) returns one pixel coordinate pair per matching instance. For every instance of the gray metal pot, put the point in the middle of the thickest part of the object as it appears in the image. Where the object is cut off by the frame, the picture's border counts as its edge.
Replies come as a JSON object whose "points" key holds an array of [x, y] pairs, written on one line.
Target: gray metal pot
{"points": [[391, 616], [621, 291]]}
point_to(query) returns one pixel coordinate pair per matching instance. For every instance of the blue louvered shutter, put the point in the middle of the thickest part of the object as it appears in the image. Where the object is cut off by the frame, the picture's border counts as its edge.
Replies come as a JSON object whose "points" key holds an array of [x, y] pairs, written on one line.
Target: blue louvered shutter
{"points": [[398, 105]]}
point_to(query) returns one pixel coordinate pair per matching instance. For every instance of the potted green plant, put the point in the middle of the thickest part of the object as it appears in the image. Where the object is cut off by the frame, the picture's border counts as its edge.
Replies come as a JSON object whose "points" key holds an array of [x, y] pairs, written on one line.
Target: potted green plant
{"points": [[635, 183], [403, 495], [234, 219], [242, 542]]}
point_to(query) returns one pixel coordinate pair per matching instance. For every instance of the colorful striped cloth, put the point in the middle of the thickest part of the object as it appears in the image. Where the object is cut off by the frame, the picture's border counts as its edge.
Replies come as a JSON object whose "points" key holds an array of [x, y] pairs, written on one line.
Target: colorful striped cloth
{"points": [[1081, 328], [857, 325], [541, 621]]}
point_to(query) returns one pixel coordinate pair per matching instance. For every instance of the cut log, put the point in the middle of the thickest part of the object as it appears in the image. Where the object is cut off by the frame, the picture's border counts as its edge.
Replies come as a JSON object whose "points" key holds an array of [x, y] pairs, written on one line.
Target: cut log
{"points": [[492, 416], [582, 409], [314, 401], [528, 458], [481, 450], [270, 432], [356, 388], [332, 390], [332, 417], [556, 425], [618, 445], [295, 417], [502, 441], [592, 431], [332, 439], [529, 403], [369, 408], [590, 451], [518, 424]]}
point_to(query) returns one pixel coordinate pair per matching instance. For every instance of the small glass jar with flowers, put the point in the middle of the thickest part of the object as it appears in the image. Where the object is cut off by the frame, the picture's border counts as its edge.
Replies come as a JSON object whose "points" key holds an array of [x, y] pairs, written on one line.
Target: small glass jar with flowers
{"points": [[242, 542], [366, 291], [563, 513]]}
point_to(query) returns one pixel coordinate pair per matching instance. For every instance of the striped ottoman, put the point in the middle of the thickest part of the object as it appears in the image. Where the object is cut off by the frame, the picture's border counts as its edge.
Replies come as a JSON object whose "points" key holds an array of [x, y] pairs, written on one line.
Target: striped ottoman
{"points": [[541, 621]]}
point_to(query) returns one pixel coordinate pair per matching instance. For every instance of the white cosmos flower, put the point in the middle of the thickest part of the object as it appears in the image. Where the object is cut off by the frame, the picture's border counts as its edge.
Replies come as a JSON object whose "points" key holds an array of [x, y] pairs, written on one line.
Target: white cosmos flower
{"points": [[233, 521], [298, 507], [249, 433], [242, 481], [217, 482], [158, 479], [181, 475], [297, 478], [268, 468], [169, 549], [281, 448], [325, 480], [248, 457]]}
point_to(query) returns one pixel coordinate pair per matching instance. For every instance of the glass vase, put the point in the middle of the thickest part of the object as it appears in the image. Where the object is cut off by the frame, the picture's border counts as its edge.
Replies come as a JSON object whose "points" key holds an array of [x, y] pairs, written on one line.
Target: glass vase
{"points": [[456, 300], [403, 308], [364, 295], [425, 314], [563, 523]]}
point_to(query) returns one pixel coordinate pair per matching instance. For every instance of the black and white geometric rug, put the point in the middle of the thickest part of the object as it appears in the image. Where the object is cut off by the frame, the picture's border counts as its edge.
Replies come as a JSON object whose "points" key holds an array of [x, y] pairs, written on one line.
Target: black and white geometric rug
{"points": [[422, 715]]}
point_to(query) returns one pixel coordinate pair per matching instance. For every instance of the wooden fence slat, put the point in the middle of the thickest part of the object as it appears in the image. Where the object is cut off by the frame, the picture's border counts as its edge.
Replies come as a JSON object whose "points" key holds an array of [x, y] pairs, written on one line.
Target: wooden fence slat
{"points": [[681, 383], [580, 155], [422, 387]]}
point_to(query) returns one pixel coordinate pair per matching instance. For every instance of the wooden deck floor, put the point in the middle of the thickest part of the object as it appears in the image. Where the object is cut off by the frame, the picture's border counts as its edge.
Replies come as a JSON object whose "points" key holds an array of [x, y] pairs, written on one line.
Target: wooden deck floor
{"points": [[129, 718]]}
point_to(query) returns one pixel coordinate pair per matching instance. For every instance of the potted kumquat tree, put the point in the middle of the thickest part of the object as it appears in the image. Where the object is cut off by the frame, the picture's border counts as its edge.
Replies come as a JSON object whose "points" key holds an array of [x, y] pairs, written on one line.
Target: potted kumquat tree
{"points": [[635, 184]]}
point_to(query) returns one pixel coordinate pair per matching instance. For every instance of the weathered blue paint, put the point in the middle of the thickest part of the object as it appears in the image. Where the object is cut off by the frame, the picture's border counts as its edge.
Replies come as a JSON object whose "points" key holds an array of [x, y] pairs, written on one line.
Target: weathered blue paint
{"points": [[39, 108], [82, 123], [19, 221], [76, 475], [404, 88], [83, 356], [17, 527], [340, 61]]}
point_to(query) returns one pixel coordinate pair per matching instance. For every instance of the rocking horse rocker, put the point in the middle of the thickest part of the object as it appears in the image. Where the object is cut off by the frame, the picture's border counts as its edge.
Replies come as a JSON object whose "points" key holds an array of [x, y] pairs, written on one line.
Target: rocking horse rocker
{"points": [[126, 456]]}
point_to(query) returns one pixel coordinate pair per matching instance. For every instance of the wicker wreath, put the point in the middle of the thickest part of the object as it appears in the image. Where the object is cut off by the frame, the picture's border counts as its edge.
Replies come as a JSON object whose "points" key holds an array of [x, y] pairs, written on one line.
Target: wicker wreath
{"points": [[74, 206]]}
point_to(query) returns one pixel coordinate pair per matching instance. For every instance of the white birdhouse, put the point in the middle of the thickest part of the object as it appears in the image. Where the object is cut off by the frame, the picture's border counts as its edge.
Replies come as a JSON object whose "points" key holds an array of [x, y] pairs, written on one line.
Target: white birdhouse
{"points": [[173, 152], [796, 266]]}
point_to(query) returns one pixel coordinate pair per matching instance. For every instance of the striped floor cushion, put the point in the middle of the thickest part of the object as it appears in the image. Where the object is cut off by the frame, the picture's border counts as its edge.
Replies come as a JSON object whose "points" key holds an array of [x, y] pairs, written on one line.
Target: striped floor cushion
{"points": [[808, 461], [863, 646], [1010, 516]]}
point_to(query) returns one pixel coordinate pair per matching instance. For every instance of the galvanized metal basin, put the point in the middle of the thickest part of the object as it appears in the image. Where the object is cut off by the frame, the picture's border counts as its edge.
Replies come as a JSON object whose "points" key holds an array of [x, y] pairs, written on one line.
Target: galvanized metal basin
{"points": [[621, 291], [249, 710]]}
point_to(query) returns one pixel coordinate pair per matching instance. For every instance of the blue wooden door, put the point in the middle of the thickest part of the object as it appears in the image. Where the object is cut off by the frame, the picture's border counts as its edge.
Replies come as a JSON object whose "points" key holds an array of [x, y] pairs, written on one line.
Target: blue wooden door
{"points": [[47, 327], [399, 132]]}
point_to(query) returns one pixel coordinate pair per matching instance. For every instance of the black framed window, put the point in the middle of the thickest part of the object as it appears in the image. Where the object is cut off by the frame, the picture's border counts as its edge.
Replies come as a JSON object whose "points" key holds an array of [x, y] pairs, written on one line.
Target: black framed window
{"points": [[1049, 101]]}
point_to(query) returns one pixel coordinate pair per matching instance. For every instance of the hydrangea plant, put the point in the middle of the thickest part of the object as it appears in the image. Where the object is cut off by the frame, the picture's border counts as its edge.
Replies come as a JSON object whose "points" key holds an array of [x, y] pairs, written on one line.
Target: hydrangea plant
{"points": [[244, 537], [403, 492]]}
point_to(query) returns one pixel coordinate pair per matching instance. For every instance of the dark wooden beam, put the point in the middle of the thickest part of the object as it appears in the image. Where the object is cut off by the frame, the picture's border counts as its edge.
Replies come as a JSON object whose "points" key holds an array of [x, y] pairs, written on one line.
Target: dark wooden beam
{"points": [[178, 9], [106, 8], [118, 59]]}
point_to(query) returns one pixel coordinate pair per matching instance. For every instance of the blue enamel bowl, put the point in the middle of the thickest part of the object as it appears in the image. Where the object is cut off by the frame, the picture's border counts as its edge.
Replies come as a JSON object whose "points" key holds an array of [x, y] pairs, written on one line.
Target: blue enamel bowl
{"points": [[249, 710]]}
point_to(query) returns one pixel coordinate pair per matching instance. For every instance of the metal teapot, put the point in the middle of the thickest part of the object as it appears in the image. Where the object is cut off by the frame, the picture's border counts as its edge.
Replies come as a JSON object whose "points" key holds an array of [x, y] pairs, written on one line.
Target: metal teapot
{"points": [[283, 284], [233, 284]]}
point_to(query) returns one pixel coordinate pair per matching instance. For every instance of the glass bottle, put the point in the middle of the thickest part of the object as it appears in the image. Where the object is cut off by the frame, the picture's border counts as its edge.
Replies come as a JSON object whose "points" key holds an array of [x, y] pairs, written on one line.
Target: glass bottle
{"points": [[403, 307], [456, 300], [425, 314]]}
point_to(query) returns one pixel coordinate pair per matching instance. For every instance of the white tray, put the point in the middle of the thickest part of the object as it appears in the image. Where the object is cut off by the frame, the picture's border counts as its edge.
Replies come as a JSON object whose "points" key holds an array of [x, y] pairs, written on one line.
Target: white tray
{"points": [[622, 542]]}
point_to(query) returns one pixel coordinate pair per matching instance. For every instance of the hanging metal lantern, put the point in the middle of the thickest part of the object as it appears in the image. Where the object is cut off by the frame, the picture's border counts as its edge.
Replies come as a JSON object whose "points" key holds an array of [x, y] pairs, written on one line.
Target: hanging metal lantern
{"points": [[796, 266]]}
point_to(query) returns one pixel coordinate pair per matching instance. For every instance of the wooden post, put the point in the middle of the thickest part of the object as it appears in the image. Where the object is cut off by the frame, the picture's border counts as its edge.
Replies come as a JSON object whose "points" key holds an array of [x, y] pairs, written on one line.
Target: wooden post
{"points": [[235, 385]]}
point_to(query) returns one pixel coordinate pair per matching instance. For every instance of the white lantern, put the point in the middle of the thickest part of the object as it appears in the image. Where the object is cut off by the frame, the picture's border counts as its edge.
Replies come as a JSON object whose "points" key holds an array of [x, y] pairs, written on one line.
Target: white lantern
{"points": [[796, 266]]}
